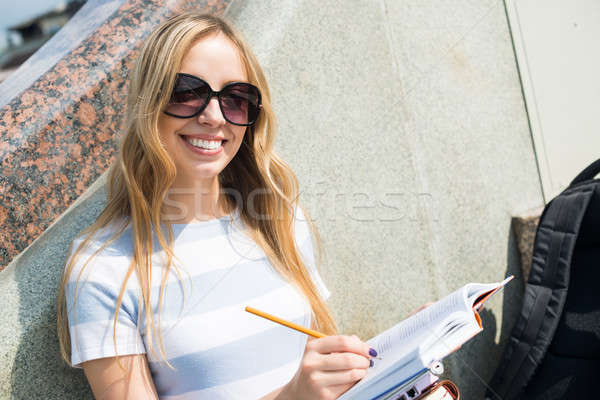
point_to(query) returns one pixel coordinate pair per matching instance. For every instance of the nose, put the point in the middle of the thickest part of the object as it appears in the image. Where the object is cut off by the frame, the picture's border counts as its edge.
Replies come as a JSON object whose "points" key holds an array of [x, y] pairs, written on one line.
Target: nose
{"points": [[212, 115]]}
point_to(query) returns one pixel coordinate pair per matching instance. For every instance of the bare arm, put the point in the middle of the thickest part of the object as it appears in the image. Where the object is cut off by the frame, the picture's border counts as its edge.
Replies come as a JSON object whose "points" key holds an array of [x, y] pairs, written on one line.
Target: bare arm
{"points": [[109, 382]]}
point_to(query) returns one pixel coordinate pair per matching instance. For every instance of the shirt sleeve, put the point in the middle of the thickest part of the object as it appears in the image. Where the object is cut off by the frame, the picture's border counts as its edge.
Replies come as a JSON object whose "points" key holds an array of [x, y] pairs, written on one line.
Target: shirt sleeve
{"points": [[304, 240], [91, 308]]}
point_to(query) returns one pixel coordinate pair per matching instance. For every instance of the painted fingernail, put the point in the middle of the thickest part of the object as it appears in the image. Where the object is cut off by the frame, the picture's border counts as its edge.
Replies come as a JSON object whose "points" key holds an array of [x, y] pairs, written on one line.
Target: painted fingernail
{"points": [[372, 352], [371, 363]]}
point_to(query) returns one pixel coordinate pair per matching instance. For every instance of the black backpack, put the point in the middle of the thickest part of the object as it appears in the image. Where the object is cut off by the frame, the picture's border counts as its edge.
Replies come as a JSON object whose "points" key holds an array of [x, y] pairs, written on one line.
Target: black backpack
{"points": [[554, 348]]}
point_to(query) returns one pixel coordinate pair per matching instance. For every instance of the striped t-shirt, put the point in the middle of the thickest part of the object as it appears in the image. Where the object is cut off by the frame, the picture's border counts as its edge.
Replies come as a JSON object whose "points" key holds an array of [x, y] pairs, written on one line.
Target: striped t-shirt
{"points": [[219, 350]]}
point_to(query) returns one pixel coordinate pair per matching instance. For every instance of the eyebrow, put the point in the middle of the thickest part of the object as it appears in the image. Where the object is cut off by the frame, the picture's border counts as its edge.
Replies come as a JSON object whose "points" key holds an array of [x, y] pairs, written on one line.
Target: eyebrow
{"points": [[224, 84]]}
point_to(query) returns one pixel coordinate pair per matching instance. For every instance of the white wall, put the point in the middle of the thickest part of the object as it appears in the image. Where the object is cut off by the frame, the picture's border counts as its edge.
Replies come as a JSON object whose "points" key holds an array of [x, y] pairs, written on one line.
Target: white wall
{"points": [[558, 49]]}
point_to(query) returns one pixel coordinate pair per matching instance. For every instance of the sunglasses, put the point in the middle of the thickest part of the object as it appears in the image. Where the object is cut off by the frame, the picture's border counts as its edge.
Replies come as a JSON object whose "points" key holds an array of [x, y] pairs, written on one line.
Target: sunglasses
{"points": [[239, 101]]}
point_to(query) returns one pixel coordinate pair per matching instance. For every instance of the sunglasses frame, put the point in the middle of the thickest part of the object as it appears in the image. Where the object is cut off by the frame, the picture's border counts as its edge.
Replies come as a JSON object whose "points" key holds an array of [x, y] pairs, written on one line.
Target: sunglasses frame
{"points": [[213, 93]]}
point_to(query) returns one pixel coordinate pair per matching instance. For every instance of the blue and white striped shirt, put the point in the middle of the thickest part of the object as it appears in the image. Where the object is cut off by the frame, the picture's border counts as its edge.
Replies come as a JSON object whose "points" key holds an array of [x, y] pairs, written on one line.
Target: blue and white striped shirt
{"points": [[218, 349]]}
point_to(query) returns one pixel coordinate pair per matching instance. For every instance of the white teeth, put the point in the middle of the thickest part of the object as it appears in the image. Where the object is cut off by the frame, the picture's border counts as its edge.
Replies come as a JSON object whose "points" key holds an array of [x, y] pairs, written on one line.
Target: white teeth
{"points": [[204, 144]]}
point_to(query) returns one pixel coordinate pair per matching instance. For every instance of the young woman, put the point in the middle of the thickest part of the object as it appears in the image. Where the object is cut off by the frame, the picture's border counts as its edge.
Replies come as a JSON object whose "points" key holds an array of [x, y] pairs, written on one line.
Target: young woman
{"points": [[202, 219]]}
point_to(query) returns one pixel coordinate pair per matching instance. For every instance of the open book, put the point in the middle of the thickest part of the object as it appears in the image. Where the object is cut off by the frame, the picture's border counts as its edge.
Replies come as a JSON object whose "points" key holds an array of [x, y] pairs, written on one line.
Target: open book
{"points": [[412, 346]]}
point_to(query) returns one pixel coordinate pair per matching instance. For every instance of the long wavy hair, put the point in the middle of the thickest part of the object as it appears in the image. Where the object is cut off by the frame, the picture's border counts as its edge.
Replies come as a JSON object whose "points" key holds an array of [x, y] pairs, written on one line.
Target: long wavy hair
{"points": [[143, 172]]}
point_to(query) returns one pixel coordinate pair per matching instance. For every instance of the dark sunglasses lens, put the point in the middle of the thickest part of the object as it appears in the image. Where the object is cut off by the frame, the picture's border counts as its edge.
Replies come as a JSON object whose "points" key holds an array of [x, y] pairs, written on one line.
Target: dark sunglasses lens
{"points": [[189, 97], [240, 103]]}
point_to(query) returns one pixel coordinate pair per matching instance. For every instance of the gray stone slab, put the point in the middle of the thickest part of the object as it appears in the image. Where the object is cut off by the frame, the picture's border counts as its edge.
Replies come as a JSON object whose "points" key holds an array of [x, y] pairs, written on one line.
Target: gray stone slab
{"points": [[413, 104], [32, 366]]}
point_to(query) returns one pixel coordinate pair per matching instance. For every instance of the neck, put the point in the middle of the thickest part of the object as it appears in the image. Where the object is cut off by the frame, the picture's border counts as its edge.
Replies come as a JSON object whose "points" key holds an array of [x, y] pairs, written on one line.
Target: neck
{"points": [[199, 200]]}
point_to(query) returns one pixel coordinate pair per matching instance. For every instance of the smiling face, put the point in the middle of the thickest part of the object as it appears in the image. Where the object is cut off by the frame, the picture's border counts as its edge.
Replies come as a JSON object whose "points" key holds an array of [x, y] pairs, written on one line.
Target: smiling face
{"points": [[216, 60]]}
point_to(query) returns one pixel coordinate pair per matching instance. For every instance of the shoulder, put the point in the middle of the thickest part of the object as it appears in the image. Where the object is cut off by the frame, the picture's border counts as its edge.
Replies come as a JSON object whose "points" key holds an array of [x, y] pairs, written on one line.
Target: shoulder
{"points": [[302, 230], [101, 259]]}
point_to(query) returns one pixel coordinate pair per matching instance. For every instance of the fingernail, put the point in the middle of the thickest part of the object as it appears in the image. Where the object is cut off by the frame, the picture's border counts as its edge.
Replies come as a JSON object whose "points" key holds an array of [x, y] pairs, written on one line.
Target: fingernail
{"points": [[371, 363], [372, 352]]}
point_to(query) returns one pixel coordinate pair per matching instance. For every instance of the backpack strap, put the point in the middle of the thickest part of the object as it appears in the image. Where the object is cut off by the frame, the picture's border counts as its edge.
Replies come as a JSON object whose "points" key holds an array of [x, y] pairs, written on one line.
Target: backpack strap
{"points": [[589, 173], [545, 293]]}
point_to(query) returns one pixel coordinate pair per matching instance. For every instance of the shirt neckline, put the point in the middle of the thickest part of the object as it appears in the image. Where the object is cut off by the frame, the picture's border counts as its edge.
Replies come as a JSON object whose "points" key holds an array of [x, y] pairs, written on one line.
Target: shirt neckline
{"points": [[234, 215]]}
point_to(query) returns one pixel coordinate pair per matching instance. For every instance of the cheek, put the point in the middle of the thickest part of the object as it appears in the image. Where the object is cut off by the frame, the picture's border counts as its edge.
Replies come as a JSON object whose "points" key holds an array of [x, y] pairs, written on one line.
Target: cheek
{"points": [[167, 128], [238, 134]]}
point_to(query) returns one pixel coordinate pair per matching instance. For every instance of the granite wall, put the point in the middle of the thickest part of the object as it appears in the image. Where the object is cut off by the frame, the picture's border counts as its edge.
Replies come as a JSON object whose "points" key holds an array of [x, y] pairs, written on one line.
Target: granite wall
{"points": [[404, 121]]}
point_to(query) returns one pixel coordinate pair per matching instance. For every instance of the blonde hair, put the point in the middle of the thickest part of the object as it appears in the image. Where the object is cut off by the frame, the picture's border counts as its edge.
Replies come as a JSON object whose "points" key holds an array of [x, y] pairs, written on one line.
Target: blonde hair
{"points": [[139, 179]]}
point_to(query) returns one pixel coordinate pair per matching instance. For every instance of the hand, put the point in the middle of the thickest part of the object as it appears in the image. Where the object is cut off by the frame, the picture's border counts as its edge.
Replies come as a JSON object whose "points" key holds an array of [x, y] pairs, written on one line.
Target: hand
{"points": [[330, 366]]}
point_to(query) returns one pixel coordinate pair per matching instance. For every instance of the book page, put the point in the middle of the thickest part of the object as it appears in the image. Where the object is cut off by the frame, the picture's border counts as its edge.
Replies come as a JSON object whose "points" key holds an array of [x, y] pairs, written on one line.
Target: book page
{"points": [[418, 325], [408, 346], [398, 346], [479, 293], [401, 342]]}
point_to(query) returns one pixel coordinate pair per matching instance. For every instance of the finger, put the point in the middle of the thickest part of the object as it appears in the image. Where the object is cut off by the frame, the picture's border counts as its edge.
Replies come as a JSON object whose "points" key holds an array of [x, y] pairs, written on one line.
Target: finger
{"points": [[340, 344], [338, 390], [345, 377], [341, 389], [343, 361]]}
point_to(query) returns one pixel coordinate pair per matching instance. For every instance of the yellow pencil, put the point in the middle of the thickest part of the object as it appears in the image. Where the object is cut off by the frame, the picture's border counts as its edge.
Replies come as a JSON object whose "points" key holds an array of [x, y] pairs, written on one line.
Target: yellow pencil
{"points": [[286, 323], [292, 325]]}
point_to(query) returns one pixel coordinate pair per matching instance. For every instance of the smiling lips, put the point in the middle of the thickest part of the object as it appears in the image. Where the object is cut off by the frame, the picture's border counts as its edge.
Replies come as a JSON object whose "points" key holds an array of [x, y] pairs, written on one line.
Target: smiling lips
{"points": [[203, 146]]}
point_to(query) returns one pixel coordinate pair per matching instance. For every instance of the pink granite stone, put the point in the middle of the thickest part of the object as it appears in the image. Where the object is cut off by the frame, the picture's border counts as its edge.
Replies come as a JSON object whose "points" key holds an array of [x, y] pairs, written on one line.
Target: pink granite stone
{"points": [[60, 134]]}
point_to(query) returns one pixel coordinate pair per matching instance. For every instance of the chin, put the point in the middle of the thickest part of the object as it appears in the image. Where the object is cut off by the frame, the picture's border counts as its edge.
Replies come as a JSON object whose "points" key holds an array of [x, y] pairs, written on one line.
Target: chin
{"points": [[205, 173]]}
